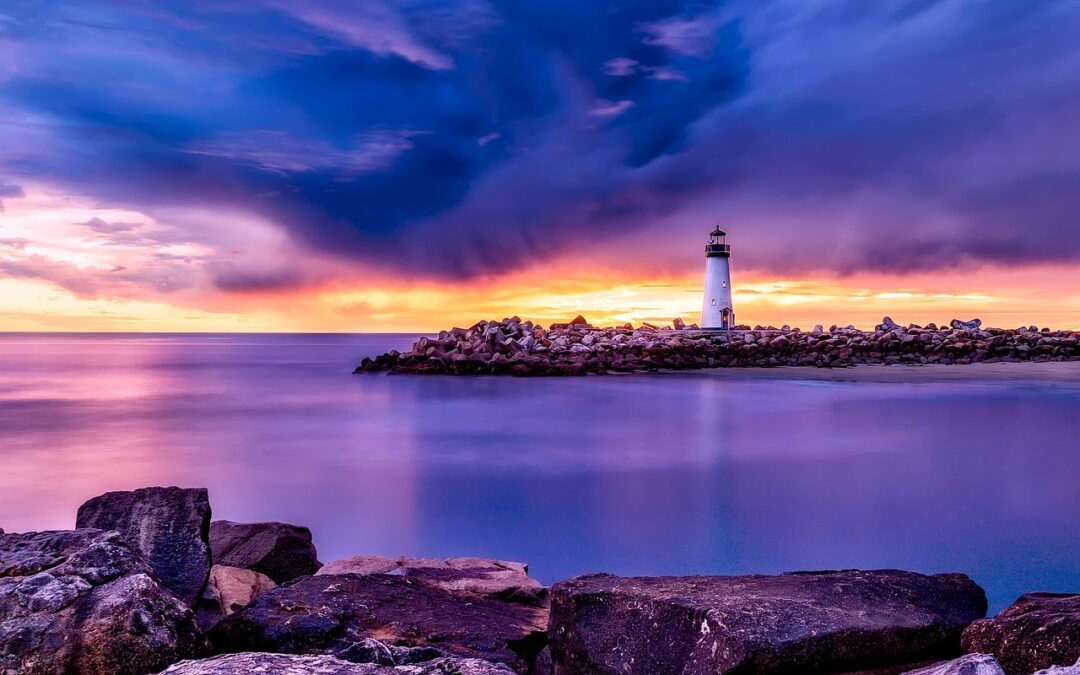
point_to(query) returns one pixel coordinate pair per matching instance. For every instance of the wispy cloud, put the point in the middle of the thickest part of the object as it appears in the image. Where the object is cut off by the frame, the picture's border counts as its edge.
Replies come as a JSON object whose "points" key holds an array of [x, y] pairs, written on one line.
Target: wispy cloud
{"points": [[605, 108], [278, 151]]}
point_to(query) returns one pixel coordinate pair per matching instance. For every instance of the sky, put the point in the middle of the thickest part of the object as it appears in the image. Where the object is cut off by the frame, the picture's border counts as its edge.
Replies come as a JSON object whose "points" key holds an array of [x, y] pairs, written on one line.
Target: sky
{"points": [[409, 165]]}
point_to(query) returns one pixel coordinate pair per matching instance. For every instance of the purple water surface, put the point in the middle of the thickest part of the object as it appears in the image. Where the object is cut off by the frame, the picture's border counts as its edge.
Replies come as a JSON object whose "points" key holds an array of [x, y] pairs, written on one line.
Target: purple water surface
{"points": [[664, 474]]}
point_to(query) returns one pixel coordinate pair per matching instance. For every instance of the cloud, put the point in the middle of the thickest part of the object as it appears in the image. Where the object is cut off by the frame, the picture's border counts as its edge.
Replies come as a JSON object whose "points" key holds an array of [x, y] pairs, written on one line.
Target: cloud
{"points": [[605, 108], [276, 151], [684, 36], [18, 243], [100, 226], [8, 190], [231, 278], [465, 138], [620, 66]]}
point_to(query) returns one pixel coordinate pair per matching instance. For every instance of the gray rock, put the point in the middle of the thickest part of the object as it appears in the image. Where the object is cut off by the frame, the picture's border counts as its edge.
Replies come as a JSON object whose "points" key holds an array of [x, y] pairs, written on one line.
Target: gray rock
{"points": [[501, 579], [291, 664], [169, 525], [278, 550], [1039, 630], [370, 650], [85, 601], [806, 622], [1074, 669], [328, 614], [974, 324], [971, 664]]}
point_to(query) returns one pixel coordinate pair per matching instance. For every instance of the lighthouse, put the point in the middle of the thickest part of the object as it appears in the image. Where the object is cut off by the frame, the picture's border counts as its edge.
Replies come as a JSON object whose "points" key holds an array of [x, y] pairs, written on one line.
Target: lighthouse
{"points": [[717, 311]]}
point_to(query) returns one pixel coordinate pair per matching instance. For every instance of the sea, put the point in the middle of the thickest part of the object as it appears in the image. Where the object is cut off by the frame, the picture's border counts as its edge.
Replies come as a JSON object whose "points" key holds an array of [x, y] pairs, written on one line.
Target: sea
{"points": [[716, 472]]}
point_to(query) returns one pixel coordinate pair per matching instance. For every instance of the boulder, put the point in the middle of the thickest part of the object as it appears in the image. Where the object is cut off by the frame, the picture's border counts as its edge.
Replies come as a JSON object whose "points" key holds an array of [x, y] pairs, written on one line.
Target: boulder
{"points": [[85, 601], [291, 664], [278, 550], [228, 590], [974, 324], [370, 650], [1039, 630], [1074, 669], [806, 622], [970, 664], [169, 525], [499, 579], [330, 613]]}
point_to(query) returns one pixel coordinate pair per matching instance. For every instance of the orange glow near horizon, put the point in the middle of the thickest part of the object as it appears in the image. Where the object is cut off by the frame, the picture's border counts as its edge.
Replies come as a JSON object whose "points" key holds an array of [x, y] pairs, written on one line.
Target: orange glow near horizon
{"points": [[999, 297], [63, 270]]}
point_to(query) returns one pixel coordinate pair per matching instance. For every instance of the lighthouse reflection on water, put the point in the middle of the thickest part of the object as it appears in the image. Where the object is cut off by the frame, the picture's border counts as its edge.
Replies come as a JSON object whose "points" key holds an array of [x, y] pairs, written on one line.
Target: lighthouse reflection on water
{"points": [[717, 312]]}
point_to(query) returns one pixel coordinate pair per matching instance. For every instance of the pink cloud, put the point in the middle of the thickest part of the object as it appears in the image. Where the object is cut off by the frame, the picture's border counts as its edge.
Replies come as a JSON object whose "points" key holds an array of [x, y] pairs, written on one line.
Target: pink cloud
{"points": [[606, 108], [684, 36], [620, 66]]}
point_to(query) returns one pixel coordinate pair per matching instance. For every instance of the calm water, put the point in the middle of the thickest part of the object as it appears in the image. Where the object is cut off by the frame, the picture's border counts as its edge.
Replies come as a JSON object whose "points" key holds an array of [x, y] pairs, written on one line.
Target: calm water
{"points": [[669, 474]]}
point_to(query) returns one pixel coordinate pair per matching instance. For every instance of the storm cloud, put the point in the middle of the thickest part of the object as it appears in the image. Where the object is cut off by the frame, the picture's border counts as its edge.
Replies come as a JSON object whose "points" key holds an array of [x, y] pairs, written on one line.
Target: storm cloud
{"points": [[460, 138]]}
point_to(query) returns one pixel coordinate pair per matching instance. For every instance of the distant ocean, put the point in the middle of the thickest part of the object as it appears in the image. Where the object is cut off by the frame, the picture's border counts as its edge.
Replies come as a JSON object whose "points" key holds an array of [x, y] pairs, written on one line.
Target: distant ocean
{"points": [[660, 474]]}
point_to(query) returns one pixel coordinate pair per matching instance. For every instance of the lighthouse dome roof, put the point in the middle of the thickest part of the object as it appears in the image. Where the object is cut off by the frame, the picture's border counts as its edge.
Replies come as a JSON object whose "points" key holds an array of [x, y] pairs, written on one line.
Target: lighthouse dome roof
{"points": [[718, 233]]}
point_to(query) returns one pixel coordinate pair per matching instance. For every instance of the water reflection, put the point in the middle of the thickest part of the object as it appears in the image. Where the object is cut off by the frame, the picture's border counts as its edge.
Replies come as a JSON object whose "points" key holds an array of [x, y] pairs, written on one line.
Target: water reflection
{"points": [[666, 474]]}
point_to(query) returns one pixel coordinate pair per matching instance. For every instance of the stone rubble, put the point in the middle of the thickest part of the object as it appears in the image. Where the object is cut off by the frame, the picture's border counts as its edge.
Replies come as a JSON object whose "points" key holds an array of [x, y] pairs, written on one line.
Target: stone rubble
{"points": [[516, 347], [86, 601], [291, 664], [497, 579], [95, 602], [279, 550], [1039, 630], [969, 664], [169, 525], [803, 622], [228, 590]]}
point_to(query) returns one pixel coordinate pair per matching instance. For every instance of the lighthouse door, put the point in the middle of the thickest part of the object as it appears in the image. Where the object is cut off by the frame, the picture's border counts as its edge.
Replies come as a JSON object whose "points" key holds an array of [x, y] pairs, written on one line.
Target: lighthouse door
{"points": [[726, 318]]}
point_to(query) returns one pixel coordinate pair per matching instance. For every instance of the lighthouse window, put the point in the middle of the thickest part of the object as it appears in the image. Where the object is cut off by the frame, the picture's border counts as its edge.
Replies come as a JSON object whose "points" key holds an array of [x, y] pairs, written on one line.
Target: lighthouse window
{"points": [[724, 284], [714, 302]]}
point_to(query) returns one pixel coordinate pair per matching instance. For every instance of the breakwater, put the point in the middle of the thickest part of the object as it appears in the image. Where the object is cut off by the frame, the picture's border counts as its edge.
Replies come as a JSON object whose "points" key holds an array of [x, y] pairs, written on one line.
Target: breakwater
{"points": [[516, 347]]}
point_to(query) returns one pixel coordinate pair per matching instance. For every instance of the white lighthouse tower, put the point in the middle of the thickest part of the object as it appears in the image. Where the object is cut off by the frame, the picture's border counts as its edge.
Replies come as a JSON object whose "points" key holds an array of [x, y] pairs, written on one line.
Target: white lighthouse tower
{"points": [[717, 312]]}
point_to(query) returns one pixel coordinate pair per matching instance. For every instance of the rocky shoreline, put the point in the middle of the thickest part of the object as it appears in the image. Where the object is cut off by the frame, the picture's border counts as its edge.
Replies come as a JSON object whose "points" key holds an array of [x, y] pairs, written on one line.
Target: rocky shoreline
{"points": [[516, 347], [148, 583]]}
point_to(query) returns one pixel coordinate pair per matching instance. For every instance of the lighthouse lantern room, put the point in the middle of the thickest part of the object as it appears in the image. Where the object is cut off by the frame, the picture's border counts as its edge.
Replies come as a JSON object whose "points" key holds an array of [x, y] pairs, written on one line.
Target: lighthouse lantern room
{"points": [[717, 312]]}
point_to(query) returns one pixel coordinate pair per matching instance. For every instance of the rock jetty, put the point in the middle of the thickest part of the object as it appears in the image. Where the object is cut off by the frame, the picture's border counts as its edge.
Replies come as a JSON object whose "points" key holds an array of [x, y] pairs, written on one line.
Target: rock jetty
{"points": [[95, 602], [516, 347]]}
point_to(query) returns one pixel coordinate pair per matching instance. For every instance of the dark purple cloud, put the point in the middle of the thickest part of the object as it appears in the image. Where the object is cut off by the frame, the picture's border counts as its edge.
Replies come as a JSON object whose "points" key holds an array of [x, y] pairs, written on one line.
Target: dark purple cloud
{"points": [[465, 137]]}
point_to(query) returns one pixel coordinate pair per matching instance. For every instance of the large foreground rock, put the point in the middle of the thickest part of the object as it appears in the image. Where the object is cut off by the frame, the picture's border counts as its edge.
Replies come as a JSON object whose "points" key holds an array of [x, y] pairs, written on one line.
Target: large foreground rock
{"points": [[229, 590], [1039, 630], [170, 525], [813, 622], [278, 550], [336, 613], [499, 579], [85, 602], [970, 664], [290, 664]]}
